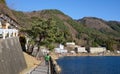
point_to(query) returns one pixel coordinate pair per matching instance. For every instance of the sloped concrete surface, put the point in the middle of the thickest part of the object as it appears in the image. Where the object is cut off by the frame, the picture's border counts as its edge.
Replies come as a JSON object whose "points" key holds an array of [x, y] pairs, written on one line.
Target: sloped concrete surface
{"points": [[11, 57], [40, 69]]}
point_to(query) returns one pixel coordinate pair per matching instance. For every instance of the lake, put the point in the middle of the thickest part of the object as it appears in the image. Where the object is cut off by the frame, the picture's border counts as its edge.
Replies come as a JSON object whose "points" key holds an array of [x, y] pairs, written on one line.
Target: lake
{"points": [[90, 65]]}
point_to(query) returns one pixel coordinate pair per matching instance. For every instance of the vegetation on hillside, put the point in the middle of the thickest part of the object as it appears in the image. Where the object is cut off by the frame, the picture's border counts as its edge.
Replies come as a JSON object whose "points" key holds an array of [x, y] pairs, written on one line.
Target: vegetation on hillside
{"points": [[110, 30], [93, 36], [36, 24], [28, 21], [3, 1], [114, 25], [45, 32], [101, 25]]}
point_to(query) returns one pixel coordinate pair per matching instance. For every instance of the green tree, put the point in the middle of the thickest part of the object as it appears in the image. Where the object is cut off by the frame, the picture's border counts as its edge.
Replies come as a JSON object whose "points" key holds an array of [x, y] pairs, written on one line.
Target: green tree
{"points": [[109, 44], [46, 32]]}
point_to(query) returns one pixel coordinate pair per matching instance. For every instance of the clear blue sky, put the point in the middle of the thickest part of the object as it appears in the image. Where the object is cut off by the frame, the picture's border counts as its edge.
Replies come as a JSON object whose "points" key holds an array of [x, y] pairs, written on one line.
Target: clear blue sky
{"points": [[105, 9]]}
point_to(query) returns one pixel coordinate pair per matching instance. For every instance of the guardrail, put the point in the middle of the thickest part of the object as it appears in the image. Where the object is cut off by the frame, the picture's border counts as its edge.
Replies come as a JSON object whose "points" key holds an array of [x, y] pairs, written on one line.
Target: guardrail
{"points": [[5, 33], [54, 68]]}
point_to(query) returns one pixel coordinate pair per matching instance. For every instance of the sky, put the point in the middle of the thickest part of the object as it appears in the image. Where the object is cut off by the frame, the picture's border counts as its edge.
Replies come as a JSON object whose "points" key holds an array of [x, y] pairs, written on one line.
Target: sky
{"points": [[77, 9]]}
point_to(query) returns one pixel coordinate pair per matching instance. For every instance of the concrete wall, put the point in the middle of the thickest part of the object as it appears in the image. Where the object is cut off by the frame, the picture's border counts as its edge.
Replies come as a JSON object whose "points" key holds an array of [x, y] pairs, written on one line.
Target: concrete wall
{"points": [[11, 57]]}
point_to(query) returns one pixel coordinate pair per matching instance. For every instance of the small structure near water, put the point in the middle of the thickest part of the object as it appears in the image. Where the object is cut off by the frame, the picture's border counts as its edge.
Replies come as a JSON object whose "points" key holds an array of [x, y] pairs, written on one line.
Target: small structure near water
{"points": [[80, 49], [70, 44], [97, 49], [60, 49]]}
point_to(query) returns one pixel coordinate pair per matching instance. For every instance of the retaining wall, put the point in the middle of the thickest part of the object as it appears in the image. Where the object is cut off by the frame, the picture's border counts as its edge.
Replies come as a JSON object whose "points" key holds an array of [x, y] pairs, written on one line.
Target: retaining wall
{"points": [[11, 57]]}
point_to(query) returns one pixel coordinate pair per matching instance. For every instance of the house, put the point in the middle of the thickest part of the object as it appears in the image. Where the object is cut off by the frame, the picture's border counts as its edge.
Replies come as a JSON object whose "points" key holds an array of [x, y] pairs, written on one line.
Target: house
{"points": [[97, 49], [60, 49], [61, 46], [80, 49], [70, 44]]}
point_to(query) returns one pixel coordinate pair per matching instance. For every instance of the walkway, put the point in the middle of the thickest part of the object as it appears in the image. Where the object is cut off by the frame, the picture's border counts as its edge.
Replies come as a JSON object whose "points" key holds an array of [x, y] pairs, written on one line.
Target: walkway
{"points": [[40, 69]]}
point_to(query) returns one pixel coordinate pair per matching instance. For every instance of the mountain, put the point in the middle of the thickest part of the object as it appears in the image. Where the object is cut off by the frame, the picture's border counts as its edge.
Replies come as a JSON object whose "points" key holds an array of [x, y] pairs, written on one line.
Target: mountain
{"points": [[110, 28], [88, 31]]}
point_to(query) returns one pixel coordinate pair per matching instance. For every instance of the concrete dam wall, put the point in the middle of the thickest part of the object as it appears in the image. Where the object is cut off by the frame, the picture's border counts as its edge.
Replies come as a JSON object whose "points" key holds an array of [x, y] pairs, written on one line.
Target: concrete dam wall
{"points": [[11, 57]]}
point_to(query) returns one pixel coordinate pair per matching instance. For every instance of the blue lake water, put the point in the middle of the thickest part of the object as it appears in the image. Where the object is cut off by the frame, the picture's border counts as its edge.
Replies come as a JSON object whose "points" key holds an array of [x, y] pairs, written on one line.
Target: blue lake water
{"points": [[90, 65]]}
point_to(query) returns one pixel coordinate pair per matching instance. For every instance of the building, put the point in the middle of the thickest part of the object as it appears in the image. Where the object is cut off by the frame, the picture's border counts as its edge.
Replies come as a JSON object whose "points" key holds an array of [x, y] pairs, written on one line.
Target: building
{"points": [[70, 44], [97, 49], [60, 49], [8, 26], [61, 46], [80, 50]]}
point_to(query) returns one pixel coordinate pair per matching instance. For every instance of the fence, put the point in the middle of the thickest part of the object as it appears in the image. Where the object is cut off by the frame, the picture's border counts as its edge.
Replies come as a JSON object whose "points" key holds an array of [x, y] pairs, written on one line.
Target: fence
{"points": [[54, 68], [4, 33]]}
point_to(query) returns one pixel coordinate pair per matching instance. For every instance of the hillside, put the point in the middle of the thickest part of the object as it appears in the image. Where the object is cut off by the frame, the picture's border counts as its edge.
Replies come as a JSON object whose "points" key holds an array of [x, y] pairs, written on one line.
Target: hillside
{"points": [[26, 20], [114, 25], [4, 9], [88, 31], [109, 28]]}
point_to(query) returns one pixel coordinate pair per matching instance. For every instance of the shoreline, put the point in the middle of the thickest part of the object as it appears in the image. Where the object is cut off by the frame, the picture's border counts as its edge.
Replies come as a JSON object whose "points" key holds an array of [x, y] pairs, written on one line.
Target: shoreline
{"points": [[57, 56]]}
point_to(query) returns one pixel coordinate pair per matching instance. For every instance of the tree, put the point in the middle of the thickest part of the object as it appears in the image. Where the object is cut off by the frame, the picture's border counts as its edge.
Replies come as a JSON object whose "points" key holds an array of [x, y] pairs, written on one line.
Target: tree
{"points": [[46, 32], [109, 44]]}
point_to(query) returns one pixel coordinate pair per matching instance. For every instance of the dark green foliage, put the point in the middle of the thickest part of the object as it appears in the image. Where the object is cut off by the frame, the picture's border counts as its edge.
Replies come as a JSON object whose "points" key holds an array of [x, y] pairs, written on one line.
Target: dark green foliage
{"points": [[109, 45], [51, 47], [96, 38], [100, 34], [23, 19], [94, 44], [114, 25], [3, 1], [46, 32], [52, 11]]}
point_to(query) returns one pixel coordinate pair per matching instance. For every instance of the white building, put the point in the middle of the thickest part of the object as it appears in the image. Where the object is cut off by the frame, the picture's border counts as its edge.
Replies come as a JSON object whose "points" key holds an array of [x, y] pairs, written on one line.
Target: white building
{"points": [[97, 49], [81, 50], [70, 44], [60, 49], [61, 46]]}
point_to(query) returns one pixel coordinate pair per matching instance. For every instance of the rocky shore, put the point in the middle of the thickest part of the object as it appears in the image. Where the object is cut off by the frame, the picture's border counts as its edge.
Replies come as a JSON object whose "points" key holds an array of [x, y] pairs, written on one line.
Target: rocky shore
{"points": [[53, 59]]}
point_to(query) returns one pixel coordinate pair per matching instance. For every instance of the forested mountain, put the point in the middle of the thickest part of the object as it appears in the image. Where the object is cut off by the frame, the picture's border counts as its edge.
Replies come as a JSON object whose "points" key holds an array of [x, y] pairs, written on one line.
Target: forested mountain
{"points": [[88, 31], [105, 27]]}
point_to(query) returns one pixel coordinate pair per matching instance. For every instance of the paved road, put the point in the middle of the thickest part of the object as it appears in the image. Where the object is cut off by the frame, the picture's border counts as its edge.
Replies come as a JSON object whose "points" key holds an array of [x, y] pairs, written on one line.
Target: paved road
{"points": [[40, 69]]}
